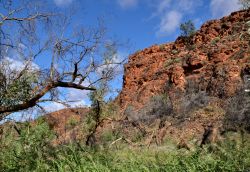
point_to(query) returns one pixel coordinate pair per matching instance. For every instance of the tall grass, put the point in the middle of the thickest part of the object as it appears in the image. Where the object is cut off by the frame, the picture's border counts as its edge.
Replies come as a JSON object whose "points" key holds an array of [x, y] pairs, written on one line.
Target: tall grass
{"points": [[32, 151]]}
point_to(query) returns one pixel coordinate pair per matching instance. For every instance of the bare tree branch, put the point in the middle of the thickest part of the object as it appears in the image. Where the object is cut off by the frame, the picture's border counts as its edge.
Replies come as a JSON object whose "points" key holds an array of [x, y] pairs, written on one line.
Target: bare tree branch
{"points": [[78, 58]]}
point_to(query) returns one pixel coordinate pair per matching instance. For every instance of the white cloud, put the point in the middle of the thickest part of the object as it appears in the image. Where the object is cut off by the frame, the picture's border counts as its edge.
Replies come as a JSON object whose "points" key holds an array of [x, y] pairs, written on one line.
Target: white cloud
{"points": [[82, 103], [188, 5], [61, 3], [127, 3], [73, 98], [220, 8], [77, 95], [114, 64], [163, 5], [171, 14], [53, 106], [12, 64], [19, 65], [169, 23]]}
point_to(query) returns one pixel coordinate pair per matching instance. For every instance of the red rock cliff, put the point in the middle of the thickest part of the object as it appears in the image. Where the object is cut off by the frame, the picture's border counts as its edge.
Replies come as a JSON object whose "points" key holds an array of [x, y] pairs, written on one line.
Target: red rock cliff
{"points": [[216, 58]]}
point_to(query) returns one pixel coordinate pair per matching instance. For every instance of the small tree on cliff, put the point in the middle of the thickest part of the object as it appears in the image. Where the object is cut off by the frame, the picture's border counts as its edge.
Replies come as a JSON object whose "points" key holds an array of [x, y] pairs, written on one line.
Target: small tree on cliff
{"points": [[68, 57], [187, 29], [187, 32]]}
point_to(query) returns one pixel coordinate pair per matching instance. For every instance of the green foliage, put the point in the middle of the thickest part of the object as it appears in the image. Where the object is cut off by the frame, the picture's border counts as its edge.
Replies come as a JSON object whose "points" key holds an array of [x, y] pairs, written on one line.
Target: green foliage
{"points": [[187, 29], [89, 122], [97, 95], [28, 151], [110, 135], [31, 151], [215, 40], [18, 90], [71, 123], [190, 47], [162, 47], [172, 61], [110, 110], [174, 52], [137, 137], [187, 32]]}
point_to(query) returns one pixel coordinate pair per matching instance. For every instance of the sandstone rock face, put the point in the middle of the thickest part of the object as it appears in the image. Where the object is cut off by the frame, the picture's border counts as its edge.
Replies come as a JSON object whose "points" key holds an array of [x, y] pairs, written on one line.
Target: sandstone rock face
{"points": [[215, 58]]}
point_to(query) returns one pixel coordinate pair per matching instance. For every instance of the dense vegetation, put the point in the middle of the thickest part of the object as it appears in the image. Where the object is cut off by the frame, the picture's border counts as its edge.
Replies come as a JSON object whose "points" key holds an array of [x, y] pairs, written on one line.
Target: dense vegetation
{"points": [[29, 149]]}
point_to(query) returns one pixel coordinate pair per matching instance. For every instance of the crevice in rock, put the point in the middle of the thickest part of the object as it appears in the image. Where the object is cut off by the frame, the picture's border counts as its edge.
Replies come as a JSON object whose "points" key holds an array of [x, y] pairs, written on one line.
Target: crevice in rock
{"points": [[188, 70]]}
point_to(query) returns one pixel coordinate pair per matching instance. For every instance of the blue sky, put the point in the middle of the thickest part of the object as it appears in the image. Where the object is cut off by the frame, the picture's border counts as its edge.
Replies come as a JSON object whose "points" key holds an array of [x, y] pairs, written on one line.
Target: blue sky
{"points": [[147, 22]]}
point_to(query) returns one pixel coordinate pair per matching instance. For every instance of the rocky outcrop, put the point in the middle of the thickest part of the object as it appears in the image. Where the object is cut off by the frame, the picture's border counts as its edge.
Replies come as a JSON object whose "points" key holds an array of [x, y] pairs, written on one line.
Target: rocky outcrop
{"points": [[214, 64], [215, 58]]}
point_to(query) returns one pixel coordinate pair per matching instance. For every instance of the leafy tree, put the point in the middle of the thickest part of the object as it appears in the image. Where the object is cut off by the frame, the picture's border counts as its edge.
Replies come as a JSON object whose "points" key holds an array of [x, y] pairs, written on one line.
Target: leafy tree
{"points": [[187, 29], [31, 33], [15, 90]]}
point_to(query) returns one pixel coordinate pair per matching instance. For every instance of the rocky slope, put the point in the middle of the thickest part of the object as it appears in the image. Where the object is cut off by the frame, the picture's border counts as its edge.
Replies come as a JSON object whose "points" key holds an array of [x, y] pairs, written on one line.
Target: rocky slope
{"points": [[189, 89], [216, 58]]}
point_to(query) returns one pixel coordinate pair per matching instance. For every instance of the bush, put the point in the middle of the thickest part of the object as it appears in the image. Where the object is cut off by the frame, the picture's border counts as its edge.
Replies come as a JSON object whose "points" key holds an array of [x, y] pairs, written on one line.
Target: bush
{"points": [[215, 40], [71, 123], [187, 29], [172, 61], [174, 52], [27, 151], [158, 106], [237, 115], [162, 47], [192, 99]]}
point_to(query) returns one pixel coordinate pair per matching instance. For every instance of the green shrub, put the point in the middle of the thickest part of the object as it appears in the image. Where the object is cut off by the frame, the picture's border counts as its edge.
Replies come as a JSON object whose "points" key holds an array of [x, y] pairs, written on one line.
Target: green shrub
{"points": [[187, 29], [190, 47], [19, 90], [29, 150], [71, 123], [172, 61], [245, 4], [162, 47], [215, 41], [174, 52]]}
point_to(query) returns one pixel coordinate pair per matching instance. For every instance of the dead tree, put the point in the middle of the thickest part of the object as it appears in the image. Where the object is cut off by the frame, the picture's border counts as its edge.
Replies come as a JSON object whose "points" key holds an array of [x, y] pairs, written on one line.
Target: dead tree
{"points": [[50, 53]]}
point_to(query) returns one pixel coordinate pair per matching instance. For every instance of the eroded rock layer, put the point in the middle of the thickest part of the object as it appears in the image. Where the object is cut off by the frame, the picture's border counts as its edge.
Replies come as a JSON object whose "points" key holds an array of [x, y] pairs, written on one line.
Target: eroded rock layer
{"points": [[216, 58]]}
